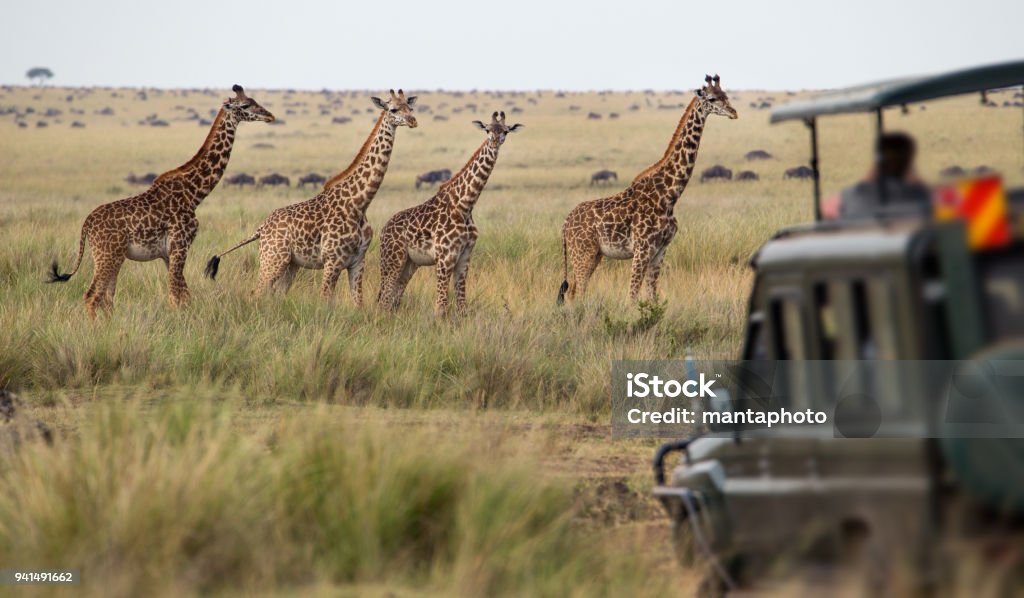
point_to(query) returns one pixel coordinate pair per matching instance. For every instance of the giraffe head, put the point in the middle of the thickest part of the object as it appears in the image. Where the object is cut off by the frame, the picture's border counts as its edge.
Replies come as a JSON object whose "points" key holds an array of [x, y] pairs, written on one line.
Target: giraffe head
{"points": [[245, 108], [497, 130], [712, 98], [398, 109]]}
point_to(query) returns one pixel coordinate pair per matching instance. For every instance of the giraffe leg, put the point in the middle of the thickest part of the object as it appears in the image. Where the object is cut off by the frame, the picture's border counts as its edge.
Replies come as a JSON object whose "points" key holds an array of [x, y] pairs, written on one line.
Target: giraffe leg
{"points": [[355, 280], [98, 281], [653, 271], [108, 298], [105, 276], [461, 270], [274, 264], [395, 271], [284, 282], [404, 276], [179, 294], [90, 307], [641, 260], [585, 260], [332, 271], [445, 268], [90, 293]]}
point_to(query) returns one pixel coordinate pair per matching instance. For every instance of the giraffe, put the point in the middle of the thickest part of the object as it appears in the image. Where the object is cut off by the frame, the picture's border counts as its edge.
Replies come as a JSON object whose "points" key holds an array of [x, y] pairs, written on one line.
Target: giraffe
{"points": [[440, 232], [638, 222], [330, 231], [161, 221]]}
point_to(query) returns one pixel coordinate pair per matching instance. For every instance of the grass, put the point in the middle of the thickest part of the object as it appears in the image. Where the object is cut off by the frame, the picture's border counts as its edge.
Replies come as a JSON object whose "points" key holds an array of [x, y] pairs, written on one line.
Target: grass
{"points": [[328, 470], [515, 347], [173, 498]]}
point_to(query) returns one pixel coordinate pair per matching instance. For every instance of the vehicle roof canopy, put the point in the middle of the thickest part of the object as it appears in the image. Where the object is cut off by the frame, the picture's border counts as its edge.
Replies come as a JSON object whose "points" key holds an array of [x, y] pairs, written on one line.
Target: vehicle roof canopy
{"points": [[874, 96], [866, 247]]}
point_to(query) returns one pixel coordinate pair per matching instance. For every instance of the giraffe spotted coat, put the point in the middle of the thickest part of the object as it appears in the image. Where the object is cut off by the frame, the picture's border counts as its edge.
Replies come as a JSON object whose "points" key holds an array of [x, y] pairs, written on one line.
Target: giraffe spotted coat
{"points": [[330, 231], [160, 222], [638, 223], [440, 232]]}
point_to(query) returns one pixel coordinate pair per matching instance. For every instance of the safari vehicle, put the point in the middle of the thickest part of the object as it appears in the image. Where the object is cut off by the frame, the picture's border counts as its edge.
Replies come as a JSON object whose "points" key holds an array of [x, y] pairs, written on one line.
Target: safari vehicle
{"points": [[939, 285]]}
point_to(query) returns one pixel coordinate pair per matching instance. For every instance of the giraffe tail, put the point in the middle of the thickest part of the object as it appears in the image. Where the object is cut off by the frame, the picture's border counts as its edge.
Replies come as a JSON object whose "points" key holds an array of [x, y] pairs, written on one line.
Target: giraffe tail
{"points": [[55, 275], [213, 265], [565, 270]]}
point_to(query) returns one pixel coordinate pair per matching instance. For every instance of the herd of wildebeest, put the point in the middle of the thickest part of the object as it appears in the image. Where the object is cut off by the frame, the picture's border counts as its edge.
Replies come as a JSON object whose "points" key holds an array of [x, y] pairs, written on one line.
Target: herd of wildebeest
{"points": [[333, 101], [717, 172]]}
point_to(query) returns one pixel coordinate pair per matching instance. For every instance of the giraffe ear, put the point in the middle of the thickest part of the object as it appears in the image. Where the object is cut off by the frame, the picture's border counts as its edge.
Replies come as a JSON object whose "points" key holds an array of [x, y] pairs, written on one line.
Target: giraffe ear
{"points": [[379, 103], [411, 100], [515, 127], [480, 125]]}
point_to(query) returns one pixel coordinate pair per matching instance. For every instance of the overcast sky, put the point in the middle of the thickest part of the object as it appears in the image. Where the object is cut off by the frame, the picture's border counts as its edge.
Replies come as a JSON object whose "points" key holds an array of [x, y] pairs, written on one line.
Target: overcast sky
{"points": [[527, 44]]}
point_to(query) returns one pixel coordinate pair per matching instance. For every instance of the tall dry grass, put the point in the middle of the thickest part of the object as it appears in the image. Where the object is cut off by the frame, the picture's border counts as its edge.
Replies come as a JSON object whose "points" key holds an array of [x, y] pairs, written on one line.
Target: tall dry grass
{"points": [[176, 498], [515, 348], [170, 496]]}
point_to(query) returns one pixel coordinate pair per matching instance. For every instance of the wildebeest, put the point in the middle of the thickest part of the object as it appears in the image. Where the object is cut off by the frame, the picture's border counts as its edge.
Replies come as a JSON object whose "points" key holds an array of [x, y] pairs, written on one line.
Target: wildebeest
{"points": [[757, 154], [593, 116], [799, 172], [241, 179], [603, 176], [747, 175], [274, 180], [980, 170], [312, 179], [716, 172], [434, 176], [146, 179], [952, 171]]}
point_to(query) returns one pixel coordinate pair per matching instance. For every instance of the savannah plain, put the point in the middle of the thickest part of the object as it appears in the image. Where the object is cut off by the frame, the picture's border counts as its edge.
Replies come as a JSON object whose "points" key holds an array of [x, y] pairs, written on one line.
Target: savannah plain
{"points": [[285, 445]]}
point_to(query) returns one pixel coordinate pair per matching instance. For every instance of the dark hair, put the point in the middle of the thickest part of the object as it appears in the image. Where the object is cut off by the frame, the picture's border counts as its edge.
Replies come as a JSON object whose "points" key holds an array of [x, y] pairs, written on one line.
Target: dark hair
{"points": [[895, 154]]}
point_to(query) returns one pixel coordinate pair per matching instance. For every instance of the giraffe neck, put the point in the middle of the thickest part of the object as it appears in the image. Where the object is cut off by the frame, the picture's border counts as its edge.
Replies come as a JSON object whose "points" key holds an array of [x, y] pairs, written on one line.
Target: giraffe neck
{"points": [[463, 189], [671, 174], [195, 179], [358, 184]]}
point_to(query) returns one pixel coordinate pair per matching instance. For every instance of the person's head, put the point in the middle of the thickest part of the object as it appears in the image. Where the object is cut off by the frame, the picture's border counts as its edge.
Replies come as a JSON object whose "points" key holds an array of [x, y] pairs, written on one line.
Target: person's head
{"points": [[895, 154]]}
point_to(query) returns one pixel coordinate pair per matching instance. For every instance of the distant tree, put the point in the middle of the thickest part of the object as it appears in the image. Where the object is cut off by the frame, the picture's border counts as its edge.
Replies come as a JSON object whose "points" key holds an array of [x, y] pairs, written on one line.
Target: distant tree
{"points": [[39, 74]]}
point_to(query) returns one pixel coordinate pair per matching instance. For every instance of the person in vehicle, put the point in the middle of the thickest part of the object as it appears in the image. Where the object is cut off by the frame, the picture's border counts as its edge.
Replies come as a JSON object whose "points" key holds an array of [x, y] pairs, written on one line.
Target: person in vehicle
{"points": [[891, 188]]}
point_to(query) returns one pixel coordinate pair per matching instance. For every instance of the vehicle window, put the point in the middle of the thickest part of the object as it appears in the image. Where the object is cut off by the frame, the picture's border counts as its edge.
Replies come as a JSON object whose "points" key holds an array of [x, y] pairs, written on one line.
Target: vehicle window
{"points": [[866, 346], [1003, 287], [883, 325], [788, 328], [756, 349], [936, 341], [855, 319], [843, 320], [779, 344], [826, 316]]}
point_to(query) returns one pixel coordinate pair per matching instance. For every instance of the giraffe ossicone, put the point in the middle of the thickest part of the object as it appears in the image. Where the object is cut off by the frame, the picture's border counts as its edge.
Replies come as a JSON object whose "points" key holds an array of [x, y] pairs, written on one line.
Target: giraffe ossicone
{"points": [[160, 222], [638, 223], [330, 230], [440, 232]]}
